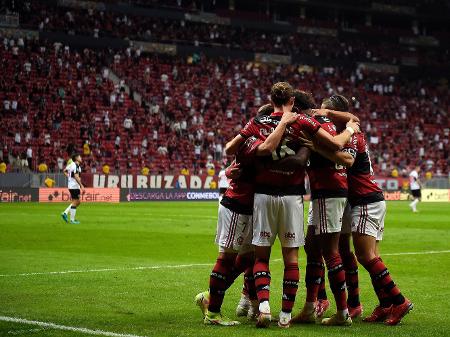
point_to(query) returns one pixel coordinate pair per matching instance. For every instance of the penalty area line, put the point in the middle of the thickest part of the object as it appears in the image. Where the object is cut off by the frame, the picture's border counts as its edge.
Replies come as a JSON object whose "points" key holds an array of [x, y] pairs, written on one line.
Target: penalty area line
{"points": [[180, 266], [65, 327]]}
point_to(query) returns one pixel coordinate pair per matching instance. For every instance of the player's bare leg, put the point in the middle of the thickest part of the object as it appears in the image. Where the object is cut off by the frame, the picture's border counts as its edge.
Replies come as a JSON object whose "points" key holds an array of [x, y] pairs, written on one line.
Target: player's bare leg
{"points": [[393, 305], [314, 268], [336, 276], [261, 273], [351, 275]]}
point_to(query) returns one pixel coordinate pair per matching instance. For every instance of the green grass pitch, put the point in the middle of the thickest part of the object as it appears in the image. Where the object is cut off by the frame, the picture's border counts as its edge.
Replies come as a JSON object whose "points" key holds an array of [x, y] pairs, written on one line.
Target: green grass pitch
{"points": [[159, 301]]}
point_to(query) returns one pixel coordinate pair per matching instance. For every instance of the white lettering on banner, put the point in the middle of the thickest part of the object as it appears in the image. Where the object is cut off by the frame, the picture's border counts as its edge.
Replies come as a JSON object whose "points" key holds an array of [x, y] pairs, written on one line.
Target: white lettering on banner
{"points": [[126, 181], [182, 181], [202, 195], [113, 181], [196, 182], [208, 181], [99, 181], [141, 181], [388, 184], [169, 181], [155, 181]]}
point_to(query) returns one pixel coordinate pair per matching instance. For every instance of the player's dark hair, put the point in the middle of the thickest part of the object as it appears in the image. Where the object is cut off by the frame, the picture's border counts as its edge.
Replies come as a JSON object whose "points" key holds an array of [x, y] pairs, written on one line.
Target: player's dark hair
{"points": [[281, 93], [74, 156], [265, 110], [304, 100], [336, 102]]}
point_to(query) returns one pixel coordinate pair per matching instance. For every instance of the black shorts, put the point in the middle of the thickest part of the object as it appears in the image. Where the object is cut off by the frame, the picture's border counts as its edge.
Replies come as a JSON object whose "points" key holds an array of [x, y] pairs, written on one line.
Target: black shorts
{"points": [[74, 194], [416, 193], [222, 190]]}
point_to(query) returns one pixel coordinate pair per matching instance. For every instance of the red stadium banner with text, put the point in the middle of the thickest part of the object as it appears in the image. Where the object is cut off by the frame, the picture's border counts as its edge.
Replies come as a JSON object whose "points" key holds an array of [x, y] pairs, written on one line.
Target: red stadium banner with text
{"points": [[164, 181], [86, 195]]}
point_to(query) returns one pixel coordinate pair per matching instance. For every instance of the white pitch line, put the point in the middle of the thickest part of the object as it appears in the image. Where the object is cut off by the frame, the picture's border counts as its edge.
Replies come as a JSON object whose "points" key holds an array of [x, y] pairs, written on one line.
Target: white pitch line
{"points": [[65, 327], [184, 265], [110, 269], [418, 253]]}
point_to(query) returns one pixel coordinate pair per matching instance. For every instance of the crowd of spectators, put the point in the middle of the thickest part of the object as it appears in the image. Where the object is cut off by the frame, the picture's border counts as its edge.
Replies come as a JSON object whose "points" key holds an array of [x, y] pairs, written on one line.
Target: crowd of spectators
{"points": [[98, 23], [56, 101]]}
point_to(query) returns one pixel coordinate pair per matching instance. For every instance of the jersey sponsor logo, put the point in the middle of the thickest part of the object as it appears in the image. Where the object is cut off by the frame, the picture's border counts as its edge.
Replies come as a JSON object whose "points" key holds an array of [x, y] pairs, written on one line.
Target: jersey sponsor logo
{"points": [[289, 236], [266, 132], [264, 234]]}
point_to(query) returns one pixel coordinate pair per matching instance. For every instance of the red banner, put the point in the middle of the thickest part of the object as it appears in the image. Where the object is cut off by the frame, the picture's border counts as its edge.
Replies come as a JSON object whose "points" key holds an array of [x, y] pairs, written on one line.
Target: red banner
{"points": [[86, 195]]}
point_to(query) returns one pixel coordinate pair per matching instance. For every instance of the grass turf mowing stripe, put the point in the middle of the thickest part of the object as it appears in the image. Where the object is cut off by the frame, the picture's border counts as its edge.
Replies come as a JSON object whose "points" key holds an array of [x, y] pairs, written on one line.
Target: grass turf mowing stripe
{"points": [[65, 327], [185, 265]]}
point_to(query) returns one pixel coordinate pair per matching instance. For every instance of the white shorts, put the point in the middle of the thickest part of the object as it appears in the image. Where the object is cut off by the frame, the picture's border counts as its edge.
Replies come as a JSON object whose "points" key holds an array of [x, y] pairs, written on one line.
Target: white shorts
{"points": [[327, 215], [347, 220], [234, 230], [278, 215], [369, 219], [310, 212]]}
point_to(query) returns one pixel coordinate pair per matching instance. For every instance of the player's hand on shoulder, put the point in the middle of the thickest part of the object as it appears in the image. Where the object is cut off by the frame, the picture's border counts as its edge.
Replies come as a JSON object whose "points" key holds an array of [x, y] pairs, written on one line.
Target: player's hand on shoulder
{"points": [[354, 125], [289, 117], [234, 171]]}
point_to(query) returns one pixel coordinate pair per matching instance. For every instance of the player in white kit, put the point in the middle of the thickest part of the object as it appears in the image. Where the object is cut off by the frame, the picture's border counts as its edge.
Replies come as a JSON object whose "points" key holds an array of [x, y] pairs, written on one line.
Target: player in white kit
{"points": [[72, 172], [223, 182], [414, 186]]}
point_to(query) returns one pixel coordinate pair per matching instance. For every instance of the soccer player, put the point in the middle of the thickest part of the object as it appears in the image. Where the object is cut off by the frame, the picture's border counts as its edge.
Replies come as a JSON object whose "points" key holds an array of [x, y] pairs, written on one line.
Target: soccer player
{"points": [[328, 182], [72, 172], [368, 210], [234, 229], [278, 206], [223, 182], [414, 186]]}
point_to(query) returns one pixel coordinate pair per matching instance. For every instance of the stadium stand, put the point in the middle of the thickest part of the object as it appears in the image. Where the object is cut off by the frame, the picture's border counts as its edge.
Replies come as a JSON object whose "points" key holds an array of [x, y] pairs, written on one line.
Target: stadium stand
{"points": [[191, 104]]}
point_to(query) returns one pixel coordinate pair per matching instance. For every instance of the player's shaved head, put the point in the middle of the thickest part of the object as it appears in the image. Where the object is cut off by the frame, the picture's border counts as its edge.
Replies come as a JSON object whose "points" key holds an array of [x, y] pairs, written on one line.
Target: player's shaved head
{"points": [[281, 93], [304, 100], [336, 102]]}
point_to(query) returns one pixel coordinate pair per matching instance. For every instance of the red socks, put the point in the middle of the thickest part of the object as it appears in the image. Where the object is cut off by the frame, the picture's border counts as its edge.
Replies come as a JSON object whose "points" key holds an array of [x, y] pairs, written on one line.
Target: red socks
{"points": [[261, 274], [313, 278], [351, 279], [383, 281], [322, 294], [218, 283], [336, 276], [290, 286]]}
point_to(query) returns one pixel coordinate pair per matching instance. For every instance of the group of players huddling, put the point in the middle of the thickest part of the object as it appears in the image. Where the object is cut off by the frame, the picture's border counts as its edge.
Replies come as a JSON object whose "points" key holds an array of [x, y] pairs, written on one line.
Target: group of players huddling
{"points": [[273, 152]]}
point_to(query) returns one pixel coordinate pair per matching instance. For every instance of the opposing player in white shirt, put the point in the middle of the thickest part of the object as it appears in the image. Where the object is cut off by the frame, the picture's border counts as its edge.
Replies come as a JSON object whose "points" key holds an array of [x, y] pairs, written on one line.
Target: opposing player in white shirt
{"points": [[223, 182], [72, 172], [414, 186]]}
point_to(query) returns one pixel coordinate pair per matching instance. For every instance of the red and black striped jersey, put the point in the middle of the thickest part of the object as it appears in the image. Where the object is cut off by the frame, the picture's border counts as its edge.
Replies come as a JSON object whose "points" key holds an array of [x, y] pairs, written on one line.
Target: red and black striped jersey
{"points": [[362, 188], [277, 182], [326, 178], [239, 195]]}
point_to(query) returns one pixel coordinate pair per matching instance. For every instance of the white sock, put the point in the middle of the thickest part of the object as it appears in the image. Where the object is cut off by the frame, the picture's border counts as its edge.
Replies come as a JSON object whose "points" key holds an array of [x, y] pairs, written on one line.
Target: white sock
{"points": [[264, 307], [342, 313], [285, 316], [73, 211], [414, 204], [67, 209], [309, 307]]}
